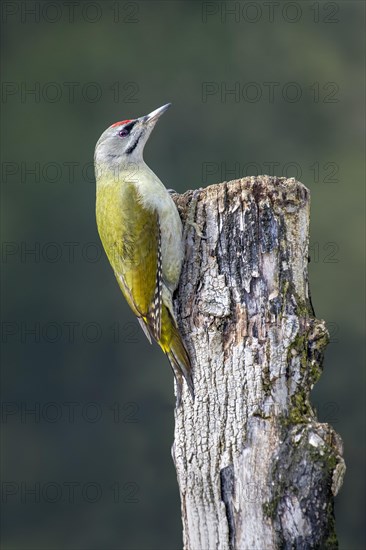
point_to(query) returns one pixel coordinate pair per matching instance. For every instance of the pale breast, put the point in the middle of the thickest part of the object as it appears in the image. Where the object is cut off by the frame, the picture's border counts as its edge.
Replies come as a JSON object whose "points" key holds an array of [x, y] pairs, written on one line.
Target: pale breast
{"points": [[155, 196]]}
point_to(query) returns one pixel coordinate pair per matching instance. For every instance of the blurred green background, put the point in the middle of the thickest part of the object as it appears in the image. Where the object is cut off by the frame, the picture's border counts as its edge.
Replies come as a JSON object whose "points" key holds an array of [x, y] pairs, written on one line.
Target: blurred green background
{"points": [[256, 87]]}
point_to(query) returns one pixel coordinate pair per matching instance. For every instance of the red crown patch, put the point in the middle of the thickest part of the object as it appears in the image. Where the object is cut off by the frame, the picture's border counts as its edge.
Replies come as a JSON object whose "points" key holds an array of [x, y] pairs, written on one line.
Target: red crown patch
{"points": [[120, 123]]}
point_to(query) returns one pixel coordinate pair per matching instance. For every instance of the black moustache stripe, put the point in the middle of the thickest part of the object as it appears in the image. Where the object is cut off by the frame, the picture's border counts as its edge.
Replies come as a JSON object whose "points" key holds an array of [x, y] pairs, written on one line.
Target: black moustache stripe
{"points": [[133, 146]]}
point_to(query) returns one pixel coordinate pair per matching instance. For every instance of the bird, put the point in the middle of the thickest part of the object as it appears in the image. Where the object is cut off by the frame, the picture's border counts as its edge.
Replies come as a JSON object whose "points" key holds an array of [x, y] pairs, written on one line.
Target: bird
{"points": [[142, 235]]}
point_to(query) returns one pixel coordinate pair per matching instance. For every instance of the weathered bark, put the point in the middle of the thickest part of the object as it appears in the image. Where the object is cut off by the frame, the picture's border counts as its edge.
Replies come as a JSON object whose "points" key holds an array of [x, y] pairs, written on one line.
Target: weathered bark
{"points": [[255, 468]]}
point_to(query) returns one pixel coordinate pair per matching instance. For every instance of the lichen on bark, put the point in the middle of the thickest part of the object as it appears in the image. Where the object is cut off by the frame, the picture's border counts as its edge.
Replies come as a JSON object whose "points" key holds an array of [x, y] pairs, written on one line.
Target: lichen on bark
{"points": [[255, 468]]}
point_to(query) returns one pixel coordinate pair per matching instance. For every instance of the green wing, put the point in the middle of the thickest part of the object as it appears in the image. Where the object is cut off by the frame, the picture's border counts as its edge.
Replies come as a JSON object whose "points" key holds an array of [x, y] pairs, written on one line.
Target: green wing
{"points": [[131, 238]]}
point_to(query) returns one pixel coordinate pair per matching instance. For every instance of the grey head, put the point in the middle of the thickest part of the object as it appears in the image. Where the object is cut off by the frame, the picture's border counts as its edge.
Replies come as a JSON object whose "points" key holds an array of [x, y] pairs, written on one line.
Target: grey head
{"points": [[124, 141]]}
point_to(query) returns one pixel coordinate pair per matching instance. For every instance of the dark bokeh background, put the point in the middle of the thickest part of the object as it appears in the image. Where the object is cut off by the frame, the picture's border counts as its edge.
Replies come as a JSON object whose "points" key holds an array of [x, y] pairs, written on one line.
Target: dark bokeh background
{"points": [[102, 397]]}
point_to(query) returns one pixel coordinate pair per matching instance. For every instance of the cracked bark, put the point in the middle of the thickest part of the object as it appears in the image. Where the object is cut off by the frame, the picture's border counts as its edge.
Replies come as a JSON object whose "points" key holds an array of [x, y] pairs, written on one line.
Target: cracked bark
{"points": [[256, 470]]}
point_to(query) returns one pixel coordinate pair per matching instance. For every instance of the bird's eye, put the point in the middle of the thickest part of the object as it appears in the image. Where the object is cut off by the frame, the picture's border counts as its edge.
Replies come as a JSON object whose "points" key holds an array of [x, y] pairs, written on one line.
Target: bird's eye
{"points": [[123, 133]]}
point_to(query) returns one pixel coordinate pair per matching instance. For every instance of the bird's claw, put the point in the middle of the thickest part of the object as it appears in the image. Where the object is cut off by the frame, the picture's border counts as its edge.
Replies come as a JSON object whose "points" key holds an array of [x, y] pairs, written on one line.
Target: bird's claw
{"points": [[197, 229], [191, 213]]}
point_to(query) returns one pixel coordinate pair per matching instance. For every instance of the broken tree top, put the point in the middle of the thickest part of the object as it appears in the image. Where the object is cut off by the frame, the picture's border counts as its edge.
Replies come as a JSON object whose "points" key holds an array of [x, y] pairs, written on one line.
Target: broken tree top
{"points": [[255, 467]]}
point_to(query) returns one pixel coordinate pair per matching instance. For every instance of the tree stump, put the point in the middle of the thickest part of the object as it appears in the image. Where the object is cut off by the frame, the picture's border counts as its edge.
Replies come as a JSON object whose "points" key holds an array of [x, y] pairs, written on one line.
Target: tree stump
{"points": [[255, 468]]}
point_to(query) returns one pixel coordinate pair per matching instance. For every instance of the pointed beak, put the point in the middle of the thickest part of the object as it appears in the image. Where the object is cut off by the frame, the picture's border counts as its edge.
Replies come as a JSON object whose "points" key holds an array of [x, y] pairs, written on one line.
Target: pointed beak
{"points": [[155, 115]]}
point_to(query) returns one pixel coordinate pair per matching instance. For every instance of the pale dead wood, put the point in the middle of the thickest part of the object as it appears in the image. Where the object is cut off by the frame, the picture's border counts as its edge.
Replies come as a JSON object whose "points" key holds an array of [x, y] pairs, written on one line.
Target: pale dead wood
{"points": [[255, 468]]}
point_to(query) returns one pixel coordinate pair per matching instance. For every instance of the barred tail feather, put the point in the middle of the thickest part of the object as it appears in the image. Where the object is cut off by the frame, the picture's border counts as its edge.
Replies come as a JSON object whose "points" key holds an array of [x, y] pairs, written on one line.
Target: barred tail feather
{"points": [[181, 365], [177, 355]]}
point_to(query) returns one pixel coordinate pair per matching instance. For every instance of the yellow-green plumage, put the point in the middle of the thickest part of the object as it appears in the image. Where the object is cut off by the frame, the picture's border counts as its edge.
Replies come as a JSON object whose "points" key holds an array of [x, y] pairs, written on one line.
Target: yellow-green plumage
{"points": [[130, 234]]}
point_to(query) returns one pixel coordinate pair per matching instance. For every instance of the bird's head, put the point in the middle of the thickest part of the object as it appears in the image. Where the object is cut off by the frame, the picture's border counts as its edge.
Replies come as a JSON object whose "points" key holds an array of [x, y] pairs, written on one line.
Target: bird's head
{"points": [[124, 141]]}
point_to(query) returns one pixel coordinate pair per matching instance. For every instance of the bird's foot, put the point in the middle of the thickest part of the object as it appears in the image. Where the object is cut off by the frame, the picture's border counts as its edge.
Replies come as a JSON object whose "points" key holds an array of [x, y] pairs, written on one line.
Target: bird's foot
{"points": [[191, 215]]}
